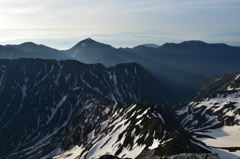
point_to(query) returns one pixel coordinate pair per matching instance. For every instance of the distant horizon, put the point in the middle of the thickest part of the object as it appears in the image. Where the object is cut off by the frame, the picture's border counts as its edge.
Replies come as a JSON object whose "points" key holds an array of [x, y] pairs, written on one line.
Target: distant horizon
{"points": [[57, 43], [60, 24]]}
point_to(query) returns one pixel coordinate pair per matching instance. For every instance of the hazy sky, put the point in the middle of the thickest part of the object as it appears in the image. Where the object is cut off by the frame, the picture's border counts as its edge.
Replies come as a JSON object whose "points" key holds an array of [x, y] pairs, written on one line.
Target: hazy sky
{"points": [[61, 23]]}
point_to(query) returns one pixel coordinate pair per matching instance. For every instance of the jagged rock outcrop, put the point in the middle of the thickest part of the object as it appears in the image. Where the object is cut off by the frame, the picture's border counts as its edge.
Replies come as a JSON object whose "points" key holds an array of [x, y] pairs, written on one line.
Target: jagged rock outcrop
{"points": [[127, 131]]}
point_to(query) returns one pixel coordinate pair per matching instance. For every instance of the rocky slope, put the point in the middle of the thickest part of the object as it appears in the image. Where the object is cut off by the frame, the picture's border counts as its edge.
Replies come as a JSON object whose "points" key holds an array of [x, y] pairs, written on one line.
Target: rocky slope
{"points": [[198, 85], [214, 118], [215, 109], [41, 100], [129, 132]]}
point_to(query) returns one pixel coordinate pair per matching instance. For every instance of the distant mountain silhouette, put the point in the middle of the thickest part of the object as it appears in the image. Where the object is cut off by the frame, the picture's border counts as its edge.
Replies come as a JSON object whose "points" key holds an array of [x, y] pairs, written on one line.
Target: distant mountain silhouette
{"points": [[30, 46], [15, 53], [38, 51], [90, 50], [172, 63], [194, 57], [151, 45], [108, 61]]}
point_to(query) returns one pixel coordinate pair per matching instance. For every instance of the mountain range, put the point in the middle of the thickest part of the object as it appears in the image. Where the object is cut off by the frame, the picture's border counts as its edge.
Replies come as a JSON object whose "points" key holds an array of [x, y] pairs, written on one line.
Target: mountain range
{"points": [[165, 62], [96, 101]]}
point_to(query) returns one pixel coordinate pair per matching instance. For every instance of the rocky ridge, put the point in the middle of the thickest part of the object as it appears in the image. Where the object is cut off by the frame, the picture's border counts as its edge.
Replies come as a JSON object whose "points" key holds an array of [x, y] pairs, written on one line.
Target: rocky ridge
{"points": [[129, 131]]}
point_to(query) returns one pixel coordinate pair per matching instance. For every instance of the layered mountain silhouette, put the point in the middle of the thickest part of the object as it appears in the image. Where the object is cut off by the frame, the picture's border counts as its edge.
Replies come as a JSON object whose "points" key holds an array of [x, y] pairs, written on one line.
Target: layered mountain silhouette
{"points": [[170, 62], [31, 50], [195, 57]]}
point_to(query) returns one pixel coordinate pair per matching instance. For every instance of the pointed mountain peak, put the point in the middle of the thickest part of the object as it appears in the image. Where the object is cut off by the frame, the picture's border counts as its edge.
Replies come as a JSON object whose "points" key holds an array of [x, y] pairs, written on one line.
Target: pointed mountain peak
{"points": [[89, 43], [89, 39]]}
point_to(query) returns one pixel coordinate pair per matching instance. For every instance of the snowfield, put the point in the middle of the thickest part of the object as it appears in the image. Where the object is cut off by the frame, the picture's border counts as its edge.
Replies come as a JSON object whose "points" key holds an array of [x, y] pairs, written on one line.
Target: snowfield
{"points": [[71, 154], [222, 106], [227, 136]]}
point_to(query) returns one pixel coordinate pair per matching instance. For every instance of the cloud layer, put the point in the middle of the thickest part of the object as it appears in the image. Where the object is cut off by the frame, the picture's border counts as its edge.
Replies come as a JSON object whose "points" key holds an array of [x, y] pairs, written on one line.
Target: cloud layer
{"points": [[186, 19]]}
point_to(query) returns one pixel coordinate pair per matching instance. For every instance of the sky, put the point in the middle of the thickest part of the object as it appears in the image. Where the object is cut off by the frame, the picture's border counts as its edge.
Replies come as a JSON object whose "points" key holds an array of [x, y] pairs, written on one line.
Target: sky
{"points": [[120, 23]]}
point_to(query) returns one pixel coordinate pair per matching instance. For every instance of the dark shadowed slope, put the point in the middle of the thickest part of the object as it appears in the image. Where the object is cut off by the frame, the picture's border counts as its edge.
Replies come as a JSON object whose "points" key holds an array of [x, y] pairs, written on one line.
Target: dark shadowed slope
{"points": [[89, 50], [108, 61], [41, 100], [195, 57]]}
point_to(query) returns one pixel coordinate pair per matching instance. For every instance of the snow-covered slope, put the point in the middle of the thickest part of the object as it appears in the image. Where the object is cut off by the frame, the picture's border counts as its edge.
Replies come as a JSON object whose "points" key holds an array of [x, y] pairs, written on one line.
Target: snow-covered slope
{"points": [[41, 100], [217, 109], [215, 118], [128, 131]]}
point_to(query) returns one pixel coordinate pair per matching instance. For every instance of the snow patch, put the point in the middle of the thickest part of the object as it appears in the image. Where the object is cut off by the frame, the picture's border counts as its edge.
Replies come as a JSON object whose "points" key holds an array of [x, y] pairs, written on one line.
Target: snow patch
{"points": [[154, 145], [139, 116]]}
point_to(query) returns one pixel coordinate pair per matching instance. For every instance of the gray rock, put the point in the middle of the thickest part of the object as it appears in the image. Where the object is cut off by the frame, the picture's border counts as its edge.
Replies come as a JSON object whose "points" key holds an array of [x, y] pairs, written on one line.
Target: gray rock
{"points": [[148, 154], [109, 157], [151, 154], [195, 156]]}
